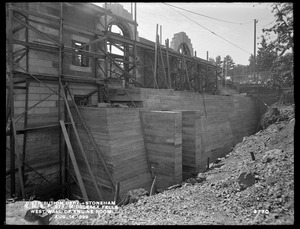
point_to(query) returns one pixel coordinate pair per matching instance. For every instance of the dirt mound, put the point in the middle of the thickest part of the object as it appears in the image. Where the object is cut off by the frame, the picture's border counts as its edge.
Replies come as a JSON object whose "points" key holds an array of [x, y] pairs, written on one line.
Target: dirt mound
{"points": [[276, 113]]}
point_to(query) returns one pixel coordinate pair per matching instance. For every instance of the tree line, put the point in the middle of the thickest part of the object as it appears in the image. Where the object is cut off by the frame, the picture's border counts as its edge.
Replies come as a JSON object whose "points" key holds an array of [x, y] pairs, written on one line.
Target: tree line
{"points": [[275, 57]]}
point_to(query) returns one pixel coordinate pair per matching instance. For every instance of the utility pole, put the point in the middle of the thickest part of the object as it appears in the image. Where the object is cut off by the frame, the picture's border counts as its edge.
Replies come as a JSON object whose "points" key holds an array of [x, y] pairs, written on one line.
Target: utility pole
{"points": [[226, 69], [254, 57], [254, 68]]}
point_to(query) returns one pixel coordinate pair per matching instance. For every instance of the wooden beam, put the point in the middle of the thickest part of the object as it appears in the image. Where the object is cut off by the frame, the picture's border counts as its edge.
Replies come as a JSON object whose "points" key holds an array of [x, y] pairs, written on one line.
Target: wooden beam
{"points": [[79, 142], [125, 73], [21, 57], [163, 65], [155, 59], [37, 46], [18, 52], [17, 29], [36, 14], [73, 159], [37, 31], [93, 141], [94, 41], [9, 37], [187, 75], [18, 157], [66, 78], [39, 128], [117, 190], [168, 63]]}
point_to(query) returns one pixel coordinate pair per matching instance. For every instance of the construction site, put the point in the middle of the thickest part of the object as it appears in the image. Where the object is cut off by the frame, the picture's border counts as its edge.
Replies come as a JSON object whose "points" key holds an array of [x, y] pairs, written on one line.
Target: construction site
{"points": [[92, 114]]}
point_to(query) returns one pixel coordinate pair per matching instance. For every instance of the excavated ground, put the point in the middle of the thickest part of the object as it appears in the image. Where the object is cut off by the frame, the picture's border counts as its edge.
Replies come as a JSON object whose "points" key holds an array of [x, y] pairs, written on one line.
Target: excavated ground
{"points": [[265, 195]]}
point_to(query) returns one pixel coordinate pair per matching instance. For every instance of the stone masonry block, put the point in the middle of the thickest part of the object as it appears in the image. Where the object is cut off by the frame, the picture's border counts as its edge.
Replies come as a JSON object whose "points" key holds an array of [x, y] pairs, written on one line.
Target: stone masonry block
{"points": [[19, 103], [41, 110]]}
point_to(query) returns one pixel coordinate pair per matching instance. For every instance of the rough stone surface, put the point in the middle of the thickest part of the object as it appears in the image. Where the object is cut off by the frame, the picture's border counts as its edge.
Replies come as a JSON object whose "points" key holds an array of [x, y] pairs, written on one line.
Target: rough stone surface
{"points": [[246, 179]]}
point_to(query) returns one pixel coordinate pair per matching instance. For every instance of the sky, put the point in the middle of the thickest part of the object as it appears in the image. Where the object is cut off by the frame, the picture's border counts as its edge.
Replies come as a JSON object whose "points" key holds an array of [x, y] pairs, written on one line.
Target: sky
{"points": [[203, 39]]}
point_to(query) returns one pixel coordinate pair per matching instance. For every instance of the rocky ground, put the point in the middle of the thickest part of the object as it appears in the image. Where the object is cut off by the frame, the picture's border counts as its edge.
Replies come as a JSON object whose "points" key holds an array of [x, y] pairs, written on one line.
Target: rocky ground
{"points": [[236, 190]]}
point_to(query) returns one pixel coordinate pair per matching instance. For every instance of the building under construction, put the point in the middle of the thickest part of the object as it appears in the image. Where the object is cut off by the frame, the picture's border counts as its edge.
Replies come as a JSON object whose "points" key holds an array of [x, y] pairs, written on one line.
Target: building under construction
{"points": [[91, 112]]}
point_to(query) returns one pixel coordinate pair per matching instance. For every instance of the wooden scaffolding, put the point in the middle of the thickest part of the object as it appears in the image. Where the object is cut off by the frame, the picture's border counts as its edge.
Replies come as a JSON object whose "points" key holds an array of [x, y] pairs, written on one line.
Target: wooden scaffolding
{"points": [[191, 74]]}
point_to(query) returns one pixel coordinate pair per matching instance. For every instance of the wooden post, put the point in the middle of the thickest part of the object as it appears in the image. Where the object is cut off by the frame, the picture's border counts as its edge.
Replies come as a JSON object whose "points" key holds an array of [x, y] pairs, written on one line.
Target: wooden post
{"points": [[207, 168], [9, 28], [25, 126], [155, 59], [19, 163], [73, 159], [160, 38], [252, 156], [187, 75], [80, 145], [93, 141], [163, 65], [116, 197], [152, 186], [61, 179], [168, 64], [134, 47], [105, 41]]}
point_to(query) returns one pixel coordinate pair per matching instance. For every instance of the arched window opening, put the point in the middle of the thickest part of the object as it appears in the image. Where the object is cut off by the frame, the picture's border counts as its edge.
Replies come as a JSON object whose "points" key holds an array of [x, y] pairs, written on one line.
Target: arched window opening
{"points": [[118, 50], [184, 49]]}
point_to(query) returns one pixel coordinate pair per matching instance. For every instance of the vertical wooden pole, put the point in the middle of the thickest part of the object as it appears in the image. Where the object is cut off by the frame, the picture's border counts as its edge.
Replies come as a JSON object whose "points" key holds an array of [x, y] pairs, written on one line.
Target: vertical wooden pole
{"points": [[11, 96], [25, 126], [155, 59], [19, 164], [216, 80], [163, 65], [75, 165], [116, 197], [187, 75], [168, 64], [80, 144], [61, 175], [66, 155], [160, 38], [134, 47], [105, 40]]}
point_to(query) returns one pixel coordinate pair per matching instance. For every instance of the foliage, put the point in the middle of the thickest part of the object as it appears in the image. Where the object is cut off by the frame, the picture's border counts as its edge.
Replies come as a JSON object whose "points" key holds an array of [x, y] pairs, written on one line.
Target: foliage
{"points": [[229, 65], [282, 74], [276, 56], [266, 56], [219, 61], [283, 27]]}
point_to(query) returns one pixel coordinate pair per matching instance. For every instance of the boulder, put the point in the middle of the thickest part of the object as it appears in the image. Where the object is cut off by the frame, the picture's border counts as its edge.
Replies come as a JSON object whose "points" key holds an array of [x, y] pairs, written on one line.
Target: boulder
{"points": [[246, 179]]}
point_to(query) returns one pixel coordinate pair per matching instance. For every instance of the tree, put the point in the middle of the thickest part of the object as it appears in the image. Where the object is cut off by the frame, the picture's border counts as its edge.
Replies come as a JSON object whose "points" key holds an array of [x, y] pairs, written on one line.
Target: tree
{"points": [[266, 56], [239, 72], [219, 61], [251, 64], [283, 27], [283, 45], [283, 72], [229, 64]]}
